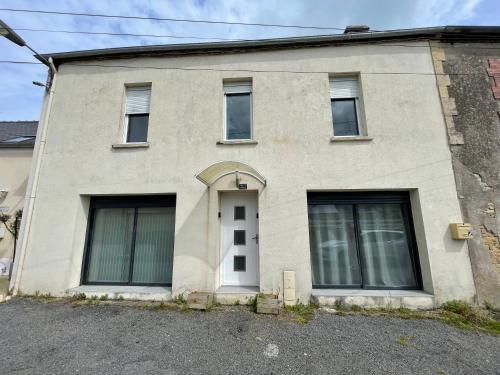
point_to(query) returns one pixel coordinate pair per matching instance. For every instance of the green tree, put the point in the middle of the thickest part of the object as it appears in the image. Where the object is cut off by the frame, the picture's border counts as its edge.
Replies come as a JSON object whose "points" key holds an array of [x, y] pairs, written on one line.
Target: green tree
{"points": [[9, 221]]}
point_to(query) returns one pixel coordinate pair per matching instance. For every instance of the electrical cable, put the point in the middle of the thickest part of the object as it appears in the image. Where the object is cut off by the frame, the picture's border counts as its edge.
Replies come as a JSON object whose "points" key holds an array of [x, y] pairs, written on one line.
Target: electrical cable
{"points": [[172, 19]]}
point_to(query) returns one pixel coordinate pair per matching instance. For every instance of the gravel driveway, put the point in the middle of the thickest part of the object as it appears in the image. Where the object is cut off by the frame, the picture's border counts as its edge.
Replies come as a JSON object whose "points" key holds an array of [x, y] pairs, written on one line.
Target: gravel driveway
{"points": [[55, 338]]}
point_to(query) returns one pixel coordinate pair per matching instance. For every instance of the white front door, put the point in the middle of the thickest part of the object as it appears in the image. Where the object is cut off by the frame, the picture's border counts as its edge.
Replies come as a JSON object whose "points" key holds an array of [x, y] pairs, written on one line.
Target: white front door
{"points": [[239, 239]]}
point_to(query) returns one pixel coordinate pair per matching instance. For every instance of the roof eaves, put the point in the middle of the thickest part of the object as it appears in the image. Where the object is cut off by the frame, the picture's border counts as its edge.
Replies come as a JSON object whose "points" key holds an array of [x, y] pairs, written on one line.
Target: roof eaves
{"points": [[455, 33], [243, 46]]}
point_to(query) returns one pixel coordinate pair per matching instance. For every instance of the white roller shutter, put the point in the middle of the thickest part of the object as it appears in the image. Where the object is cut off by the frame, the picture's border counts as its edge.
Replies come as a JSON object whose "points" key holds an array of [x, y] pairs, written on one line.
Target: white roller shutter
{"points": [[138, 99], [343, 87], [237, 87]]}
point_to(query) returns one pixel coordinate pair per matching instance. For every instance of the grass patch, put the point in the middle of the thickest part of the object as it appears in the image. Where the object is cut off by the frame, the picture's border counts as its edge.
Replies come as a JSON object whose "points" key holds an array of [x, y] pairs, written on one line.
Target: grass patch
{"points": [[458, 314], [462, 315], [252, 302], [77, 297], [43, 297], [404, 339], [161, 306], [301, 313], [180, 300], [93, 300], [356, 308]]}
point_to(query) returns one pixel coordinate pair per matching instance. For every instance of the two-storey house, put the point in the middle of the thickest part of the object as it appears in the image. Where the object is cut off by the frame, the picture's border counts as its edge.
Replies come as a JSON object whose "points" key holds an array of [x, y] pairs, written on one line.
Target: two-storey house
{"points": [[307, 167]]}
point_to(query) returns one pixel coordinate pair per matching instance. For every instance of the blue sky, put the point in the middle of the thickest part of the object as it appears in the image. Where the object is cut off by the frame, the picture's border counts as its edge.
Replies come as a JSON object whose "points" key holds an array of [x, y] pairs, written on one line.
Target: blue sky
{"points": [[21, 100]]}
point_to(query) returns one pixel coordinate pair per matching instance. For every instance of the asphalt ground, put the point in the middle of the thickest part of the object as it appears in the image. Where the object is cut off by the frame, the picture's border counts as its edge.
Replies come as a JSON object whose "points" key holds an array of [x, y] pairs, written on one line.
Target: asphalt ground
{"points": [[38, 337]]}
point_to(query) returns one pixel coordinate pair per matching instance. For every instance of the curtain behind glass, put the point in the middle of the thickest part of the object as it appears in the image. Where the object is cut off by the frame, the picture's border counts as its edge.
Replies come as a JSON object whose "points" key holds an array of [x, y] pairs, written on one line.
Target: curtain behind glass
{"points": [[111, 245], [333, 245], [384, 246], [154, 245], [238, 116]]}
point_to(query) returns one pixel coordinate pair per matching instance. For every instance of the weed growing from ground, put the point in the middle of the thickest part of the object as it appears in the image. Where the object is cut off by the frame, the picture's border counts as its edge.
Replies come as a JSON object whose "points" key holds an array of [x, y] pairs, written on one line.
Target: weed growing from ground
{"points": [[42, 296], [301, 313], [180, 300], [404, 340], [77, 297], [252, 302], [456, 313]]}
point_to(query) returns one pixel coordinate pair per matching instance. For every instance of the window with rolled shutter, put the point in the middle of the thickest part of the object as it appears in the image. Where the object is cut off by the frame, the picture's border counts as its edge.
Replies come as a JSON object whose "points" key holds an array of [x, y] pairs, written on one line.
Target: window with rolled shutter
{"points": [[345, 87], [138, 99], [344, 95], [137, 114]]}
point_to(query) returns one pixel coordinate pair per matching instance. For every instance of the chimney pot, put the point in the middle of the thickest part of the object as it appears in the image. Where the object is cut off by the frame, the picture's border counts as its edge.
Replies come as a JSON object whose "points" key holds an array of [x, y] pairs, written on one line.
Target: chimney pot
{"points": [[353, 29]]}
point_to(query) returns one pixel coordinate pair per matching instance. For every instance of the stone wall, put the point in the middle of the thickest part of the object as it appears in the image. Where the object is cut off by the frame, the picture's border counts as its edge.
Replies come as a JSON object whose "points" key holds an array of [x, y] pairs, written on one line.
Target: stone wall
{"points": [[468, 78]]}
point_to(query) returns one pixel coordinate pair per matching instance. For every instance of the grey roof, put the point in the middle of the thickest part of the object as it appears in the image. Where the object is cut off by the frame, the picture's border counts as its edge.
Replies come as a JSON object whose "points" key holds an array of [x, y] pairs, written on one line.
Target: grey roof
{"points": [[445, 33], [18, 133]]}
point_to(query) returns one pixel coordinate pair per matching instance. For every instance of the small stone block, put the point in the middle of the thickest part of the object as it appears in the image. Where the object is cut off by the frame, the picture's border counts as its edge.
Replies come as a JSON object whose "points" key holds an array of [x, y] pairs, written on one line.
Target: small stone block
{"points": [[494, 63], [496, 92], [200, 300], [493, 71], [438, 54], [268, 305]]}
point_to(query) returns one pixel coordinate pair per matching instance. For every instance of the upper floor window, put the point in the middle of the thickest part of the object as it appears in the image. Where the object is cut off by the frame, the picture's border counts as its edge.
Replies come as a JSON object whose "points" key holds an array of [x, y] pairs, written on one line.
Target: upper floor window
{"points": [[344, 94], [137, 114], [238, 111]]}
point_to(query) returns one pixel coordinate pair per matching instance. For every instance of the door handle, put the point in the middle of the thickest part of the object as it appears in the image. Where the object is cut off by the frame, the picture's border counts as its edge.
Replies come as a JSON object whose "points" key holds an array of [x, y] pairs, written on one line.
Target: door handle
{"points": [[256, 238]]}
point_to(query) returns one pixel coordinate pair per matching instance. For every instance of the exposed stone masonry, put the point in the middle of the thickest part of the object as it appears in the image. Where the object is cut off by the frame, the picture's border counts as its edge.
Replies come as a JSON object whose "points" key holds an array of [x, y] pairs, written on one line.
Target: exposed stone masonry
{"points": [[468, 80]]}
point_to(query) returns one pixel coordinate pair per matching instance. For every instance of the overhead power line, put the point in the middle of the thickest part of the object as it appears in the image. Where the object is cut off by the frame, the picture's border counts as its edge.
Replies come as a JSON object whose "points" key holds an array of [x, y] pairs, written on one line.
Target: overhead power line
{"points": [[105, 33], [127, 34], [20, 62], [172, 19]]}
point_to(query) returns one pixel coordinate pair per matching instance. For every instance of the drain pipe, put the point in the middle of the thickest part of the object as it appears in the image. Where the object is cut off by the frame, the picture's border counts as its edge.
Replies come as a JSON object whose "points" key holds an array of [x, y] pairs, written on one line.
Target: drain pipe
{"points": [[29, 201]]}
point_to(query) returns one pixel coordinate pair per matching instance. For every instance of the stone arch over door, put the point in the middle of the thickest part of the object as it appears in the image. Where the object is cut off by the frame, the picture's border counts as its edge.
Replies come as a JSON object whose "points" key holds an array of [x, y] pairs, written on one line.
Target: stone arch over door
{"points": [[224, 177], [220, 170]]}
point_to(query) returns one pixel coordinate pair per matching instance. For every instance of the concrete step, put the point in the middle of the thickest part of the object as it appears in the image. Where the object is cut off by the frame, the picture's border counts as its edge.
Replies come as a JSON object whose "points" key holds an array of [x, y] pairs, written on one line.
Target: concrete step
{"points": [[415, 300]]}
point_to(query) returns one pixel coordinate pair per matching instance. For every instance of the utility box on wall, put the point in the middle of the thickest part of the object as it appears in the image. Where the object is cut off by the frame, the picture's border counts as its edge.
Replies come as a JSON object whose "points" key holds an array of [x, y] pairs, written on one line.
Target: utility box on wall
{"points": [[461, 231]]}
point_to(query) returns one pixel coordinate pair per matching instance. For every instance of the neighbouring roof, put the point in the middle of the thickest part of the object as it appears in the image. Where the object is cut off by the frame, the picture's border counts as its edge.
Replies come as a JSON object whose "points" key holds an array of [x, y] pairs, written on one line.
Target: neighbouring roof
{"points": [[444, 33], [18, 133]]}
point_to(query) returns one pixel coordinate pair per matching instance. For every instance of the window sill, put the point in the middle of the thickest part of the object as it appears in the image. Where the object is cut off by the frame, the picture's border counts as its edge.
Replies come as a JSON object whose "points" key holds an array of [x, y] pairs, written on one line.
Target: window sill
{"points": [[238, 142], [131, 145], [351, 138]]}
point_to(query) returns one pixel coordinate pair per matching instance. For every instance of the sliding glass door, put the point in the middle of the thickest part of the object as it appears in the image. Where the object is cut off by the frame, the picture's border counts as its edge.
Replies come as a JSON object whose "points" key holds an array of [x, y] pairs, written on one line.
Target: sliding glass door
{"points": [[362, 240], [130, 241]]}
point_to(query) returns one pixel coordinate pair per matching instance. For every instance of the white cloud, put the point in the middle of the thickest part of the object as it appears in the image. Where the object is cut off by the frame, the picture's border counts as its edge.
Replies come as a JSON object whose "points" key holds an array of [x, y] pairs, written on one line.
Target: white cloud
{"points": [[441, 12], [20, 100]]}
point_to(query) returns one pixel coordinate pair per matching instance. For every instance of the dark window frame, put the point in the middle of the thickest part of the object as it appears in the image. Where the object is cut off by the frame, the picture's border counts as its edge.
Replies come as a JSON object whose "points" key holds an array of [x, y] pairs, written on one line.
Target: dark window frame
{"points": [[355, 102], [244, 269], [244, 243], [136, 115], [249, 94], [235, 217], [134, 202], [352, 198]]}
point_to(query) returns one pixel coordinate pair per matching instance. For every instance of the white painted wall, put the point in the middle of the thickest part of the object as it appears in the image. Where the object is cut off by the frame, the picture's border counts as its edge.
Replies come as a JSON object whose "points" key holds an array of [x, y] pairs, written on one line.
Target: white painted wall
{"points": [[292, 124], [14, 171]]}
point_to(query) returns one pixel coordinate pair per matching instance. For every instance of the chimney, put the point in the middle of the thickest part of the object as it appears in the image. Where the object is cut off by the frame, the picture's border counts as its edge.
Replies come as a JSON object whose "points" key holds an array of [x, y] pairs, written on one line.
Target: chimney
{"points": [[354, 29]]}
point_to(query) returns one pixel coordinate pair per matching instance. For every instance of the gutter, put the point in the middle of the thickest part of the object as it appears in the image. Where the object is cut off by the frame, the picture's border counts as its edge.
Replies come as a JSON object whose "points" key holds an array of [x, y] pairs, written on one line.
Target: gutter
{"points": [[456, 33], [29, 201]]}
